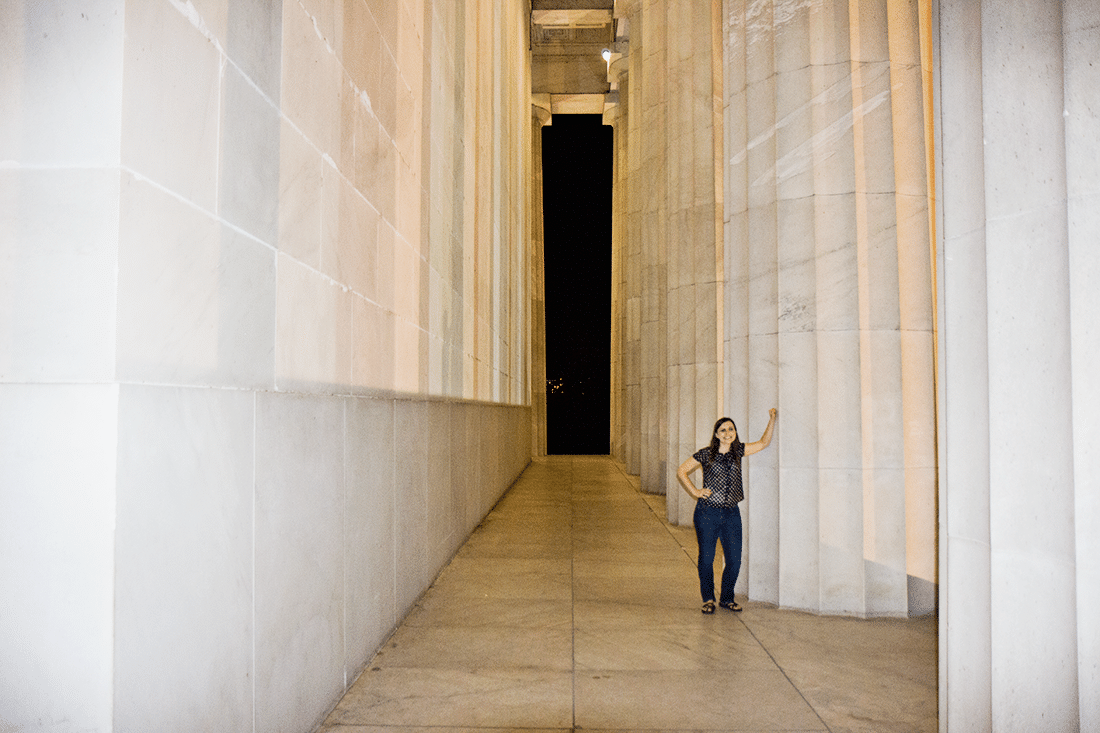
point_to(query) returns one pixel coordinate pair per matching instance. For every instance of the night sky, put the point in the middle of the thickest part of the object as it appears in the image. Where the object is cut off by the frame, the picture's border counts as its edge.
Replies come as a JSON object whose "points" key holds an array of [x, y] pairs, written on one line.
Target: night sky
{"points": [[577, 170]]}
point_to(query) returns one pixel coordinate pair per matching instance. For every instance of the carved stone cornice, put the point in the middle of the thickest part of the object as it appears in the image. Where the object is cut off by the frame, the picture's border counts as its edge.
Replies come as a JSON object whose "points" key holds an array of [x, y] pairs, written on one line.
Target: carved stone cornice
{"points": [[540, 108]]}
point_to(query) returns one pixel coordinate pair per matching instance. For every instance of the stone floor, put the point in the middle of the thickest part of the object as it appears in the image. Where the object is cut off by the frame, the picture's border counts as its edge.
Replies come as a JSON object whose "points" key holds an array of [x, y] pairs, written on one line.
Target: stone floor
{"points": [[575, 605]]}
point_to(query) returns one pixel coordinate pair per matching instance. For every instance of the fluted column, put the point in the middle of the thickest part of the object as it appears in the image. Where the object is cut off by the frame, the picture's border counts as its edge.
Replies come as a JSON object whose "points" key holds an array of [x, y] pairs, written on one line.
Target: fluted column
{"points": [[965, 688], [615, 115], [1018, 200], [751, 264], [695, 248], [828, 316], [910, 75], [540, 116], [630, 93], [615, 367], [1081, 48], [794, 318], [648, 38]]}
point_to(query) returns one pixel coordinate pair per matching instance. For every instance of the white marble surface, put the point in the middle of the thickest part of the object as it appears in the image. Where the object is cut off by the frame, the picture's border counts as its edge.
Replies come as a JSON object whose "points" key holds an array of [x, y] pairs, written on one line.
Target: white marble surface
{"points": [[442, 527], [349, 234], [170, 108], [248, 243], [463, 467], [299, 573], [1026, 554], [797, 302], [183, 651], [369, 529], [412, 431], [760, 516], [59, 274], [313, 320], [300, 170], [311, 88], [736, 274], [763, 268], [61, 84], [373, 334], [1081, 43], [761, 474], [799, 576], [1007, 170], [836, 263], [57, 553], [883, 416], [964, 519], [194, 297], [249, 153], [840, 551], [797, 367], [323, 116]]}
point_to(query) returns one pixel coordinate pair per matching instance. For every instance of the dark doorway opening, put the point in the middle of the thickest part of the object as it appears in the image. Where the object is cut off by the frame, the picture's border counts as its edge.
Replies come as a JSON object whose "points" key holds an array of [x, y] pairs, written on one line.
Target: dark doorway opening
{"points": [[577, 175]]}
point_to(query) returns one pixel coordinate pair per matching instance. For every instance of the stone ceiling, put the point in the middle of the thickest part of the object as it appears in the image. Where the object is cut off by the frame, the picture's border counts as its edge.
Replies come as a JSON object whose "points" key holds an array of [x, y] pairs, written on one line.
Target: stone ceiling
{"points": [[567, 40]]}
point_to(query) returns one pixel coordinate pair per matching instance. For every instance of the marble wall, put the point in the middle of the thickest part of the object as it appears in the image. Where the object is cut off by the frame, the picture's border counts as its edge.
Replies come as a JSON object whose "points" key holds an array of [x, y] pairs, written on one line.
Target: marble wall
{"points": [[264, 342], [1017, 201]]}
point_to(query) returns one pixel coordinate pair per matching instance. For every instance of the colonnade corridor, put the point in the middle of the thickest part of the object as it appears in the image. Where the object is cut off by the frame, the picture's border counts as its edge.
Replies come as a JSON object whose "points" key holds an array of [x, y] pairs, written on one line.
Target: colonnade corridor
{"points": [[576, 605]]}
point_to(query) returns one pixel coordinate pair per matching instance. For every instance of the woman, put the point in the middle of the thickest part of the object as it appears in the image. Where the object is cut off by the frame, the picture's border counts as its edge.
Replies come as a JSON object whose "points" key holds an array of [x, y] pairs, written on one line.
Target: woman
{"points": [[716, 514]]}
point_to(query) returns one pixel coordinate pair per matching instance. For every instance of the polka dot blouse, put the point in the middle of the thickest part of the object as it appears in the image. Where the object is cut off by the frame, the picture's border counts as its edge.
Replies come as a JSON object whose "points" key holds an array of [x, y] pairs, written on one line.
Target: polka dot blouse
{"points": [[722, 476]]}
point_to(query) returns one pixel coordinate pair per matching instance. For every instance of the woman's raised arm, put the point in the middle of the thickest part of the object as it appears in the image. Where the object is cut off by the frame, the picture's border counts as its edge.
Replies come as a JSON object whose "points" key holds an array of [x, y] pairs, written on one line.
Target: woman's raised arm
{"points": [[765, 439]]}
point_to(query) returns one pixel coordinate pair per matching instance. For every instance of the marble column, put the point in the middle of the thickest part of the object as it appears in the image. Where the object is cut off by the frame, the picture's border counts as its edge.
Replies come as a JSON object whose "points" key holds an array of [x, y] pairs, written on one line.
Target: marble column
{"points": [[648, 39], [633, 178], [1017, 200], [965, 641], [911, 93], [751, 264], [672, 238], [610, 117], [1081, 48], [623, 347], [829, 309], [540, 117], [695, 246]]}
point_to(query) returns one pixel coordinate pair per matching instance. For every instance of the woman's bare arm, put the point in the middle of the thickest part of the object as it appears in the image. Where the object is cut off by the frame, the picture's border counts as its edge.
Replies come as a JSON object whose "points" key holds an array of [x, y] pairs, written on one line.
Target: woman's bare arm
{"points": [[765, 439], [682, 476]]}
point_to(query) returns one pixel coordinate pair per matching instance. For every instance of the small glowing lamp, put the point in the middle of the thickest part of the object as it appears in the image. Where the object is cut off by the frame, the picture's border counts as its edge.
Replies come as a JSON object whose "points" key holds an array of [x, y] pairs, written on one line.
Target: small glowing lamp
{"points": [[606, 53]]}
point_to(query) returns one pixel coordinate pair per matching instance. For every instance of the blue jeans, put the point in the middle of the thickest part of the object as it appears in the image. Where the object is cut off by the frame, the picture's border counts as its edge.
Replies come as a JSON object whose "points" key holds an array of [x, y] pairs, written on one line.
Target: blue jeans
{"points": [[711, 525]]}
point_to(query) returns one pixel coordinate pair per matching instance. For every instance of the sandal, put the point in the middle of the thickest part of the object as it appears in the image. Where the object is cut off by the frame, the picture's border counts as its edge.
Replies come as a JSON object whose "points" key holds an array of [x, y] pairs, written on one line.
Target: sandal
{"points": [[730, 605], [708, 607]]}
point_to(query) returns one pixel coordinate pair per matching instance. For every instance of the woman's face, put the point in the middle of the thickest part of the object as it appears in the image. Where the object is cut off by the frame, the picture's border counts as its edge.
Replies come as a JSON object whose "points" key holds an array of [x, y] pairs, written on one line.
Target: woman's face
{"points": [[726, 433]]}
